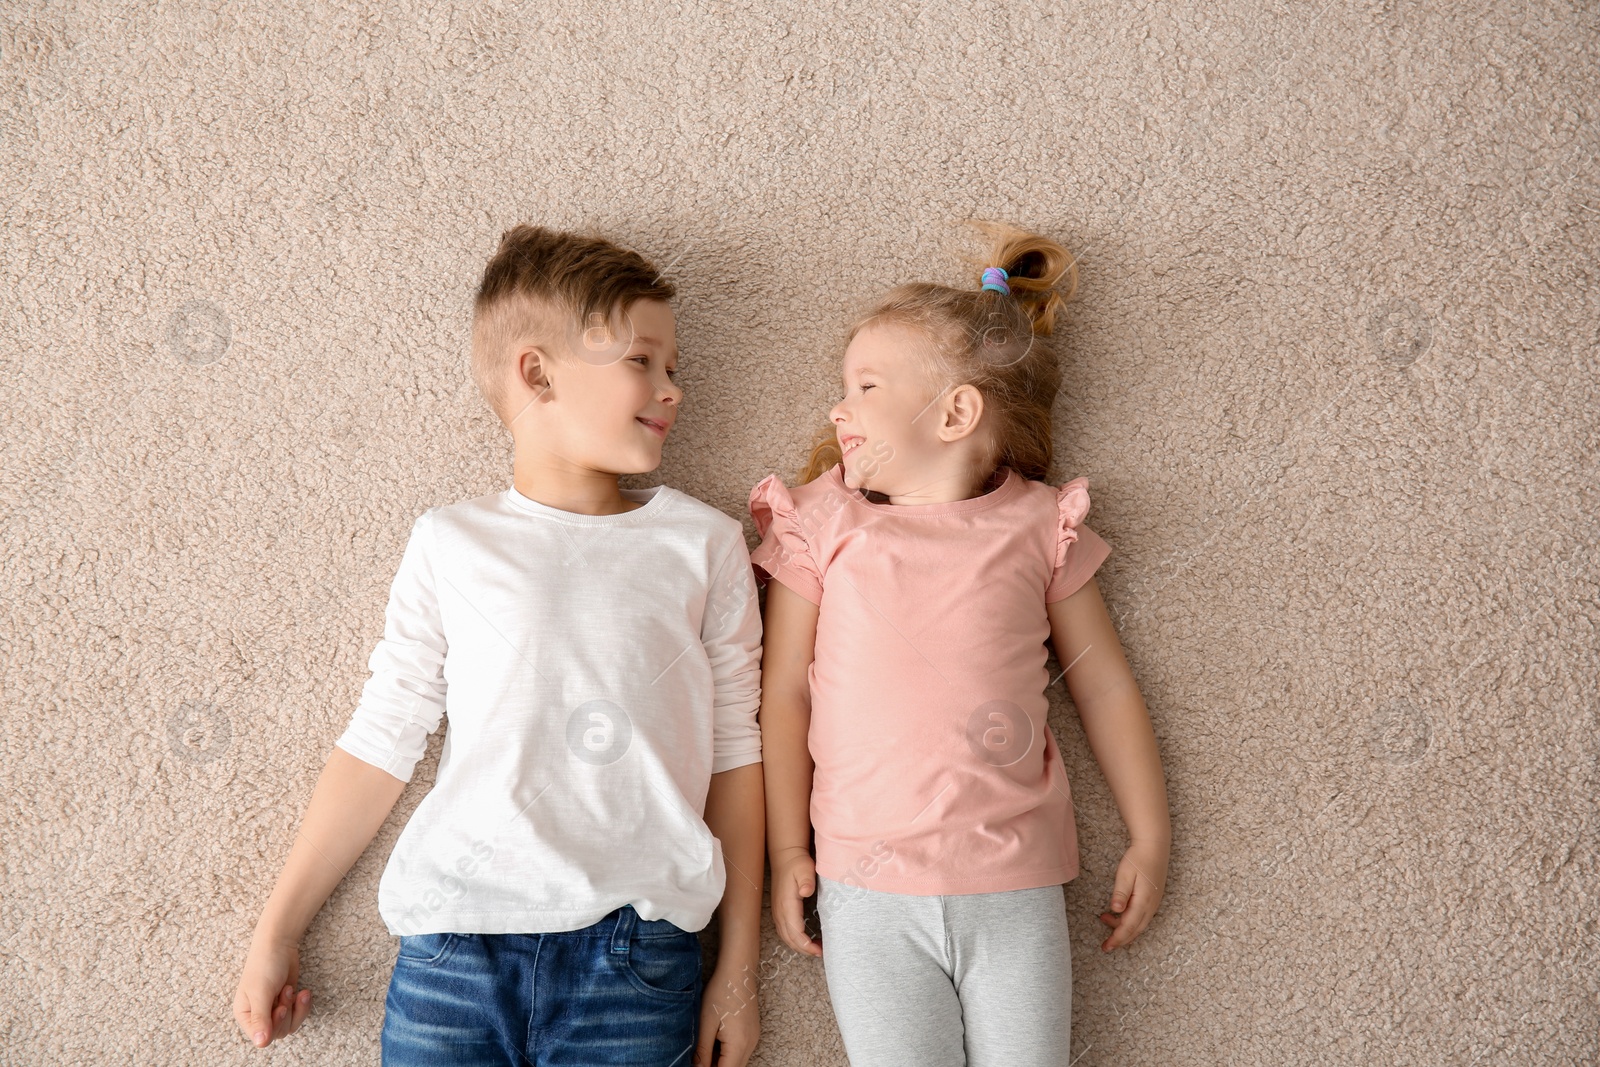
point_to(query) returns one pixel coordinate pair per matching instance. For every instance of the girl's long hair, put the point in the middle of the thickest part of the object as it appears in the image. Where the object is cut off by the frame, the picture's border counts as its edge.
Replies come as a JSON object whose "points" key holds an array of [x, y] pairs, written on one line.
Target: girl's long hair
{"points": [[996, 342]]}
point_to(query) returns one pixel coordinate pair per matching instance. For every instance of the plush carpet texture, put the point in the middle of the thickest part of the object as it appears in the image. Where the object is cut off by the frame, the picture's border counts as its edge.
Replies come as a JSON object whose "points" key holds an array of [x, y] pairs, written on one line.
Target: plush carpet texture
{"points": [[1332, 374]]}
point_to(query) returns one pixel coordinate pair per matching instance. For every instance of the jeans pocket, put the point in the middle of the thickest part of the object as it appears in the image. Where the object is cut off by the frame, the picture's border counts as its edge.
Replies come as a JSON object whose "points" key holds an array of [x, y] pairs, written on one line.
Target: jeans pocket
{"points": [[425, 950], [664, 966]]}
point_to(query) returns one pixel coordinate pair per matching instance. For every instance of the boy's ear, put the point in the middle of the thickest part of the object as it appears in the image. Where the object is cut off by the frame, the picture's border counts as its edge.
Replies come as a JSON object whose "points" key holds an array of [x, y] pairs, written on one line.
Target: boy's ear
{"points": [[533, 369]]}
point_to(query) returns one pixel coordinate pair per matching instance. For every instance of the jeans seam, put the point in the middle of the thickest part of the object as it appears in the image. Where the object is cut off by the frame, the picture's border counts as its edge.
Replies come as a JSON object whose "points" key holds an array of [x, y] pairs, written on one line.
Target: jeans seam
{"points": [[531, 1038]]}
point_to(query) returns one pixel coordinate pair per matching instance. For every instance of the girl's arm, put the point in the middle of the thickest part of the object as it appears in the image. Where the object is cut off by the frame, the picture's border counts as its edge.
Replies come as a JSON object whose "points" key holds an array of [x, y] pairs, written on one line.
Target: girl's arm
{"points": [[347, 808], [1117, 726], [788, 644]]}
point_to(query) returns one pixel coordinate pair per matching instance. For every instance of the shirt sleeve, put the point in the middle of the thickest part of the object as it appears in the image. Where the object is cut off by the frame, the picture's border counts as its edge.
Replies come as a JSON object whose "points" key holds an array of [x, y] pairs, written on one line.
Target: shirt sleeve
{"points": [[1079, 550], [404, 699], [730, 630], [784, 553]]}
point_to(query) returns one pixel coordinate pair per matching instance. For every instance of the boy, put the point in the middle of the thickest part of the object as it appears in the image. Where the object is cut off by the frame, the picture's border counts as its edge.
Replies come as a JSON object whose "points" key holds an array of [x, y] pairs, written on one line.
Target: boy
{"points": [[599, 793]]}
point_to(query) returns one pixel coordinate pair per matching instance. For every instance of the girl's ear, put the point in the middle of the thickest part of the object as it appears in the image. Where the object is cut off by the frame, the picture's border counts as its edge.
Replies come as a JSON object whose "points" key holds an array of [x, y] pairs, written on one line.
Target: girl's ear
{"points": [[961, 410]]}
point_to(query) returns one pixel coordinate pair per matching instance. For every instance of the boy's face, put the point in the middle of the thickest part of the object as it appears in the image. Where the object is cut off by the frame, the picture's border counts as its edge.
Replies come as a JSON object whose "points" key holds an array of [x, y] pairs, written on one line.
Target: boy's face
{"points": [[607, 402]]}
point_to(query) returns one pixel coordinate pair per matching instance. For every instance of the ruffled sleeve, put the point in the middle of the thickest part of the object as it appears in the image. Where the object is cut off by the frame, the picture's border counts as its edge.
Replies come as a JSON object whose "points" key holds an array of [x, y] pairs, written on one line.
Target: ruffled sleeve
{"points": [[1079, 550], [784, 553]]}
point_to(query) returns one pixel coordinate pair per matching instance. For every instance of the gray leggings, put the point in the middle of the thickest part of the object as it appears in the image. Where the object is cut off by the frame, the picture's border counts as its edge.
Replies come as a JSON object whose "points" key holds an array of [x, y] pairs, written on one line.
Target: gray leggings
{"points": [[971, 980]]}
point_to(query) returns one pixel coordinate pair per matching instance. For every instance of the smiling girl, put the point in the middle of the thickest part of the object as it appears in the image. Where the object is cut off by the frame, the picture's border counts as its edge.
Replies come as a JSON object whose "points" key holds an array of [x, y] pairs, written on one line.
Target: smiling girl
{"points": [[912, 582]]}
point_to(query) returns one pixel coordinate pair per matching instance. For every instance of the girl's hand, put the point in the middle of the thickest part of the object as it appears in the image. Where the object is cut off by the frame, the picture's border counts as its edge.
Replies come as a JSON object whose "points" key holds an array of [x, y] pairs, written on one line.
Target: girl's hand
{"points": [[265, 1005], [794, 876], [1140, 884], [728, 1013]]}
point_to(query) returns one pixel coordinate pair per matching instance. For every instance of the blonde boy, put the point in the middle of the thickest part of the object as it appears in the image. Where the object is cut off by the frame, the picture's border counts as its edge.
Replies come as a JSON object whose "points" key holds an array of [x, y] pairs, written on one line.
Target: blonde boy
{"points": [[599, 793]]}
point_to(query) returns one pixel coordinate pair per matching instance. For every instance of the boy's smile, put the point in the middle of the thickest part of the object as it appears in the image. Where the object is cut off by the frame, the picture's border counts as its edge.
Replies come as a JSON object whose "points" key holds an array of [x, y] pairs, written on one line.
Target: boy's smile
{"points": [[596, 403], [602, 397]]}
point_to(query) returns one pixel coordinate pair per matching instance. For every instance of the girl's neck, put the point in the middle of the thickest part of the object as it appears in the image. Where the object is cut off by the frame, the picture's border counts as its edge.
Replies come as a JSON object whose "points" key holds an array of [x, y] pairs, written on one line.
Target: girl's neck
{"points": [[994, 481]]}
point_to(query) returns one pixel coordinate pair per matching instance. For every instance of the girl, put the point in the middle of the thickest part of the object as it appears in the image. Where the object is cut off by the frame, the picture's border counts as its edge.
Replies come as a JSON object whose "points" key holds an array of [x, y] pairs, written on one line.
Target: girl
{"points": [[918, 572]]}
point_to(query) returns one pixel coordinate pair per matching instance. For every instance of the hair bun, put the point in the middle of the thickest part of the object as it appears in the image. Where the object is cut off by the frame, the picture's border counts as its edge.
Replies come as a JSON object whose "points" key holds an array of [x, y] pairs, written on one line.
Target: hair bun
{"points": [[1041, 274]]}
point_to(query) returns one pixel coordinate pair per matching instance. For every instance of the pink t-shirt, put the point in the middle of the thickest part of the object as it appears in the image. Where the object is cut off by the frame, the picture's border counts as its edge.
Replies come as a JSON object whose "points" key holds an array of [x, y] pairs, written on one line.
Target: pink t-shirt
{"points": [[936, 772]]}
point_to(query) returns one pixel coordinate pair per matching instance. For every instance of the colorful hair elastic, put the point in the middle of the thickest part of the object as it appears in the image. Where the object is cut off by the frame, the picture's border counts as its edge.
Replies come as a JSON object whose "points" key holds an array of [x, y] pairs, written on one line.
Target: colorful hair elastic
{"points": [[995, 278]]}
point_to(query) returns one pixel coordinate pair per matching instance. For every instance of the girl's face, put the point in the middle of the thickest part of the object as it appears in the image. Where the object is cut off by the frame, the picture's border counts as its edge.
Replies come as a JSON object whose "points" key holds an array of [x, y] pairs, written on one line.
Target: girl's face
{"points": [[888, 421]]}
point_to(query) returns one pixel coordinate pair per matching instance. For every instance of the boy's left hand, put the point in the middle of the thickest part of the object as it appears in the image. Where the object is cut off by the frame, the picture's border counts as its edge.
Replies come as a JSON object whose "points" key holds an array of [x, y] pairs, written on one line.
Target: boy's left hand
{"points": [[729, 1014], [1140, 884]]}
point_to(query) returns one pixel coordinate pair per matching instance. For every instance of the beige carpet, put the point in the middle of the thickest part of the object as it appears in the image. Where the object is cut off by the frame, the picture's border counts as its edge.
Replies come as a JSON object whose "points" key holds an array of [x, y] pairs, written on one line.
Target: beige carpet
{"points": [[1333, 378]]}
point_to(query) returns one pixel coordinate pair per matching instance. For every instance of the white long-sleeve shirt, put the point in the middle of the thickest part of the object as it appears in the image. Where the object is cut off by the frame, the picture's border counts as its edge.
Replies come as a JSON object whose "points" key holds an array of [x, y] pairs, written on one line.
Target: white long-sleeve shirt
{"points": [[597, 669]]}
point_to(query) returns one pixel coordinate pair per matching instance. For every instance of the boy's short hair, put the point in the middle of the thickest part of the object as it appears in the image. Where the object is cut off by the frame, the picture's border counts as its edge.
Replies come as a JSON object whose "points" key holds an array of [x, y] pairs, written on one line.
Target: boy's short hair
{"points": [[538, 285]]}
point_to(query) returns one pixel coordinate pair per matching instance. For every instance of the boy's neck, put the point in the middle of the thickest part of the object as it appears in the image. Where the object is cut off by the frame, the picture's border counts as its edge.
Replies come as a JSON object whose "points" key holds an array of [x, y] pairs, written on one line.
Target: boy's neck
{"points": [[567, 488]]}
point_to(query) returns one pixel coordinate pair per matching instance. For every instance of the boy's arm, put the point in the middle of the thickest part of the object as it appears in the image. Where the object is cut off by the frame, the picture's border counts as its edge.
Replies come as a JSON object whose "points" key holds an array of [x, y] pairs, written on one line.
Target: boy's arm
{"points": [[401, 704], [735, 805], [347, 808], [735, 809], [729, 1011], [735, 814]]}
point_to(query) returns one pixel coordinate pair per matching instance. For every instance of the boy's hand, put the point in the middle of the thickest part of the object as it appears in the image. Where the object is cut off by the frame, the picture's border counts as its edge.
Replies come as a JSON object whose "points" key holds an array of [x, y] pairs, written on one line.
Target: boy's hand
{"points": [[729, 1014], [265, 1005], [1140, 884], [794, 876]]}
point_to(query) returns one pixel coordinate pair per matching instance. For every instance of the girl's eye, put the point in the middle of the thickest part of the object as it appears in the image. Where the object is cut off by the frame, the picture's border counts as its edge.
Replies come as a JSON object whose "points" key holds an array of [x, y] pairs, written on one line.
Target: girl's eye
{"points": [[645, 361]]}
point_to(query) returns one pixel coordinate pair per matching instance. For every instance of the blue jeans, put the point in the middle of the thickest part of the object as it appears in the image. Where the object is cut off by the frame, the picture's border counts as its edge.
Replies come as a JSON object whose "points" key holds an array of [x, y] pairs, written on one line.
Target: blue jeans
{"points": [[623, 991]]}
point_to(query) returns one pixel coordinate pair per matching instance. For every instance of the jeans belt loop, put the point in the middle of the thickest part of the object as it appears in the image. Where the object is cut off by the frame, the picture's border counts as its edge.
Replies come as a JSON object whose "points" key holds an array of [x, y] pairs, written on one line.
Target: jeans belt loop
{"points": [[623, 931]]}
